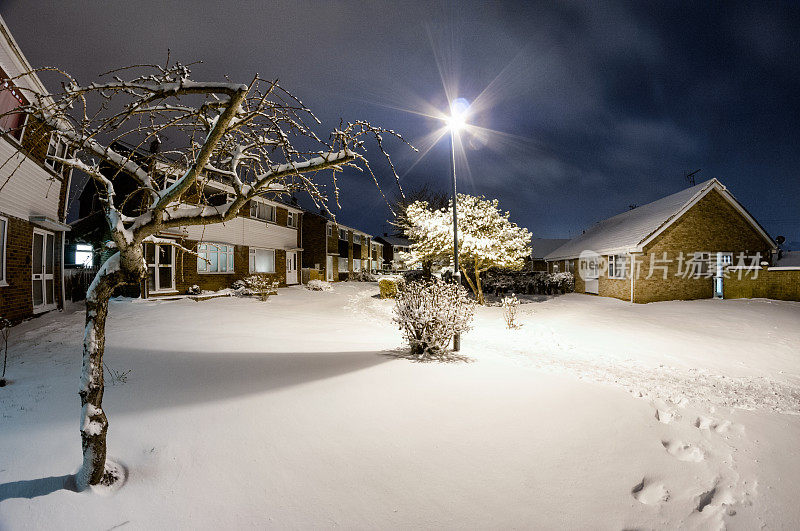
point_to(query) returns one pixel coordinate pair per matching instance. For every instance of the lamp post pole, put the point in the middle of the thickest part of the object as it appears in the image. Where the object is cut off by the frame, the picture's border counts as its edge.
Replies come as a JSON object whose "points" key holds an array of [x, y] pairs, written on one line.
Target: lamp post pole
{"points": [[456, 271]]}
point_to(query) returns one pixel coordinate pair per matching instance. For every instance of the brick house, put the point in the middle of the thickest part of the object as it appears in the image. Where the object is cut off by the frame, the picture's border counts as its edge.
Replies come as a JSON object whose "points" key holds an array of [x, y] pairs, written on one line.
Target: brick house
{"points": [[676, 248], [541, 247], [33, 196], [335, 251], [391, 246], [264, 238]]}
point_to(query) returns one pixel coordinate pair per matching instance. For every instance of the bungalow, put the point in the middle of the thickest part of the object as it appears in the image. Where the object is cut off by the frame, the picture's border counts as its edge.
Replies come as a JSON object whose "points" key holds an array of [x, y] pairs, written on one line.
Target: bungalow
{"points": [[33, 196], [392, 245], [678, 247], [336, 251]]}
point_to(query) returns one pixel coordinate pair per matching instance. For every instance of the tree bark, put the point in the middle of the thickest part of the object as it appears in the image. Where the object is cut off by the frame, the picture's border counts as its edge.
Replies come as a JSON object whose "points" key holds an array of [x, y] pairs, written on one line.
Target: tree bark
{"points": [[481, 300], [94, 424]]}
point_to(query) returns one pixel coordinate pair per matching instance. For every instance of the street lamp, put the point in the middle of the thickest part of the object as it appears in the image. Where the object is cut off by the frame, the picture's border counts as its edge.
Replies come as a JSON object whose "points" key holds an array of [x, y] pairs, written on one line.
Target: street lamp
{"points": [[455, 122]]}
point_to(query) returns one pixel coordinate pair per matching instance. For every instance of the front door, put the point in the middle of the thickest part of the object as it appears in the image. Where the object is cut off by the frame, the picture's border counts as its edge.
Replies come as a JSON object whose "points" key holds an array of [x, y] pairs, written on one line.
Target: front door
{"points": [[291, 267], [43, 271], [160, 259], [329, 269]]}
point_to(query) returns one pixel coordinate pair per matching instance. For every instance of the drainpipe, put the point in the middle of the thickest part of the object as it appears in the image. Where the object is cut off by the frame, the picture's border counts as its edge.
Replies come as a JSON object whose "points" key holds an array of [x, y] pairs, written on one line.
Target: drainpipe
{"points": [[63, 291]]}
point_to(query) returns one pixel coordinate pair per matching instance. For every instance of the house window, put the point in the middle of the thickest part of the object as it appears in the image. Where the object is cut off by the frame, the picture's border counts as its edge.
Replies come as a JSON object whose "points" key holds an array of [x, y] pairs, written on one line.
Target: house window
{"points": [[357, 239], [215, 258], [262, 211], [342, 234], [290, 220], [262, 260], [343, 265], [356, 265], [555, 267], [3, 231], [616, 265], [160, 267], [56, 148], [10, 99], [330, 230], [83, 255]]}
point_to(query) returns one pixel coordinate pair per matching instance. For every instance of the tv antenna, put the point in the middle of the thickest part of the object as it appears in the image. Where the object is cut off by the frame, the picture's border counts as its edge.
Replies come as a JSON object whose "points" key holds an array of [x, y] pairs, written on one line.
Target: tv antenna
{"points": [[689, 176]]}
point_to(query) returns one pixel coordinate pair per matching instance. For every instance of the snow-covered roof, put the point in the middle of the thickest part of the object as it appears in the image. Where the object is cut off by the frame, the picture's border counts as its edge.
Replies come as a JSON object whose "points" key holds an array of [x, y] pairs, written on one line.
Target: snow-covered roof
{"points": [[541, 247], [631, 230], [395, 240], [789, 259]]}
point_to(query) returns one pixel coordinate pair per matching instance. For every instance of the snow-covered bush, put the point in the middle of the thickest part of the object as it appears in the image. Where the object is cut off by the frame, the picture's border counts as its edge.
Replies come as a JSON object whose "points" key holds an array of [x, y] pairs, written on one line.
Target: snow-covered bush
{"points": [[365, 276], [510, 307], [389, 286], [193, 290], [240, 288], [430, 313], [565, 281], [261, 285], [319, 285]]}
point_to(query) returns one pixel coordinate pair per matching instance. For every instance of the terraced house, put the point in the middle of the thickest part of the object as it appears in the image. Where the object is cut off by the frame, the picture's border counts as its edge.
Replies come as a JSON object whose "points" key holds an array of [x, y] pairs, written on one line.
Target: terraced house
{"points": [[683, 246], [335, 252], [264, 238], [33, 195]]}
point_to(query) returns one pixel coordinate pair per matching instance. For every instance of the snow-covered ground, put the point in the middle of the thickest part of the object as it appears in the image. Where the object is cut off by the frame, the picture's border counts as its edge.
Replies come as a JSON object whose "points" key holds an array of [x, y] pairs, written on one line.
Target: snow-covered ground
{"points": [[301, 413]]}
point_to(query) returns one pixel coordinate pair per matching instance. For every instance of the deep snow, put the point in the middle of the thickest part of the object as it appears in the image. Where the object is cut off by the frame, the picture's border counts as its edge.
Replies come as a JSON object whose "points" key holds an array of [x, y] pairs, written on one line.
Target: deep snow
{"points": [[298, 413]]}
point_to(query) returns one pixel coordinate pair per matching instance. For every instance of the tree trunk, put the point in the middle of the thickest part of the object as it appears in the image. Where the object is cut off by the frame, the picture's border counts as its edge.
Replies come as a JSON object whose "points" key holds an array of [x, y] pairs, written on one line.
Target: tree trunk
{"points": [[472, 286], [481, 300], [94, 423]]}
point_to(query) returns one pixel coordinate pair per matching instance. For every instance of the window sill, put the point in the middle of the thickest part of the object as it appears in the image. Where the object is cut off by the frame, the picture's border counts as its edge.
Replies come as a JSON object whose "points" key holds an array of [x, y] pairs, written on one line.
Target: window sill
{"points": [[3, 283], [216, 272]]}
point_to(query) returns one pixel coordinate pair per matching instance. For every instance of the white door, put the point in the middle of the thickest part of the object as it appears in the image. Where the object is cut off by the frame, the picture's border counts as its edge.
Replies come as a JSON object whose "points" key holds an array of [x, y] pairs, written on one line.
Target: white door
{"points": [[291, 267], [160, 261], [43, 271], [329, 269]]}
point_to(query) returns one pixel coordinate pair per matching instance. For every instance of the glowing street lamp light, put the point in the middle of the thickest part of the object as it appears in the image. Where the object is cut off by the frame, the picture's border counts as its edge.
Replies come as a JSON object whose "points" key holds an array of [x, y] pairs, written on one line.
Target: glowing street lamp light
{"points": [[455, 122]]}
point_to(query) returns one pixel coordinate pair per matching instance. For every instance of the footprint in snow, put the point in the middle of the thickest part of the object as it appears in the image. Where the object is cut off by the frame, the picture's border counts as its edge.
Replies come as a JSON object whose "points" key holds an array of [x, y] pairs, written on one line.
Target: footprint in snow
{"points": [[718, 426], [666, 416], [684, 451], [649, 492]]}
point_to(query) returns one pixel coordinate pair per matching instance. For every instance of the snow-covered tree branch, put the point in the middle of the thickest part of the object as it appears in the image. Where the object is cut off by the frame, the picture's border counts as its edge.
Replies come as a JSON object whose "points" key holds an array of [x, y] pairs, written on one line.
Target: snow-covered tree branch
{"points": [[172, 135]]}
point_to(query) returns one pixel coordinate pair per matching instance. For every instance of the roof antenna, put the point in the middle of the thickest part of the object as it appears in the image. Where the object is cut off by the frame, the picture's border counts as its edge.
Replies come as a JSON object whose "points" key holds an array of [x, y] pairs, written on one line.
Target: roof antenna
{"points": [[690, 177]]}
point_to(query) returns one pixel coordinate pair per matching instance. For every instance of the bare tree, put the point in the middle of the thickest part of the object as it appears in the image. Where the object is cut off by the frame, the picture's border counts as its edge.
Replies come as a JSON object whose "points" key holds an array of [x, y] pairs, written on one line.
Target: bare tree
{"points": [[254, 136], [399, 205]]}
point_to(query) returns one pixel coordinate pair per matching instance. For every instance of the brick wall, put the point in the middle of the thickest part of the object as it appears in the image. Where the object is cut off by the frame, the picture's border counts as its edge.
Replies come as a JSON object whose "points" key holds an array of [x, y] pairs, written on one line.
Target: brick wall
{"points": [[711, 225], [16, 299], [769, 283]]}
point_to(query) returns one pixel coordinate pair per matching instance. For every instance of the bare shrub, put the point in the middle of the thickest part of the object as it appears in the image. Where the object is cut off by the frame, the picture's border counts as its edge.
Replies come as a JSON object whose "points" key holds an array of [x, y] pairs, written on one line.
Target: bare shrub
{"points": [[430, 313], [510, 307], [261, 285]]}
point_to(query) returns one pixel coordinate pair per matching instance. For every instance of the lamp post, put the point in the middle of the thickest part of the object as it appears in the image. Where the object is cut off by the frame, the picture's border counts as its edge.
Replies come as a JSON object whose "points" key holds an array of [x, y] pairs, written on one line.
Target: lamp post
{"points": [[456, 121]]}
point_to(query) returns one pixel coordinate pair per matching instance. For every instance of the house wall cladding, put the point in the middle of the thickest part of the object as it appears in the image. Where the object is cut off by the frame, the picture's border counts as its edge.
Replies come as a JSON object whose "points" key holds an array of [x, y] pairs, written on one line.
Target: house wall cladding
{"points": [[711, 225], [769, 283]]}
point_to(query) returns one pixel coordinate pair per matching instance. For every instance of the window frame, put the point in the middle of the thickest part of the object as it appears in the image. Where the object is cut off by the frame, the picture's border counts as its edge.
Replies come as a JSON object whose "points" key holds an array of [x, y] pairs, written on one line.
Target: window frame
{"points": [[356, 239], [3, 247], [256, 204], [230, 258], [252, 253], [290, 219], [156, 265], [55, 142], [7, 84], [330, 230], [614, 266], [343, 232]]}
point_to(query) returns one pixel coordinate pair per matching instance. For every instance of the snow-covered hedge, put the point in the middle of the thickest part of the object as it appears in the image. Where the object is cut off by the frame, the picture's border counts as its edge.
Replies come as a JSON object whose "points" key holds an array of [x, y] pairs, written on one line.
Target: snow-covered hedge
{"points": [[540, 282], [389, 286], [260, 285], [430, 313], [319, 285]]}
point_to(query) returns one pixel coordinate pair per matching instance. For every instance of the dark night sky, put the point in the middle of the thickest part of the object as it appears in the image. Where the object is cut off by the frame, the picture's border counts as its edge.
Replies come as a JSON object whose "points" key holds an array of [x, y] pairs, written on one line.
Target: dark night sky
{"points": [[600, 106]]}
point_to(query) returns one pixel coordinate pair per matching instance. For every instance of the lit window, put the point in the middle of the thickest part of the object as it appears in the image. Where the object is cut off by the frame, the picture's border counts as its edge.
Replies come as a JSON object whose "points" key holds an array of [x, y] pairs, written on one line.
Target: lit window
{"points": [[10, 99], [356, 265], [262, 211], [3, 226], [215, 258], [616, 265], [262, 260], [83, 255]]}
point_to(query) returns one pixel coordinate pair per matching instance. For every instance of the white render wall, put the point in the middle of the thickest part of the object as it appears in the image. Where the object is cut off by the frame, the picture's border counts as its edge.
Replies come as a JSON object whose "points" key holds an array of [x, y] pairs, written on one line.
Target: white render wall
{"points": [[245, 231], [30, 191]]}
